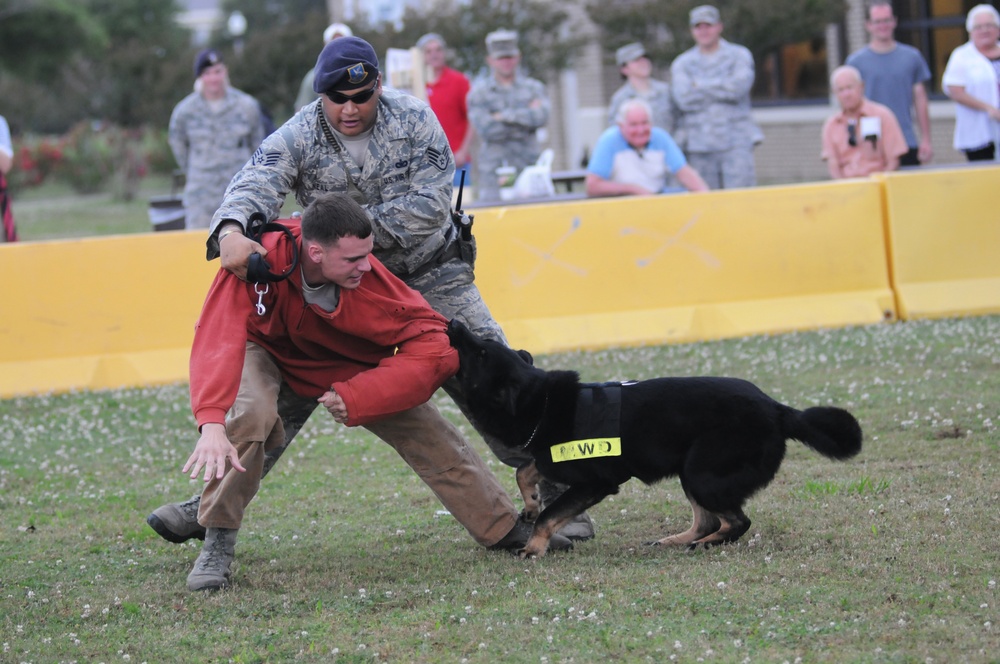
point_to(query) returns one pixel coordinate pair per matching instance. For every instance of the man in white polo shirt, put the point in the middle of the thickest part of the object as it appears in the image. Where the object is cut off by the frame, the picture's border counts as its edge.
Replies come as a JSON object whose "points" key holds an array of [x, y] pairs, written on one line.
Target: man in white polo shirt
{"points": [[635, 158]]}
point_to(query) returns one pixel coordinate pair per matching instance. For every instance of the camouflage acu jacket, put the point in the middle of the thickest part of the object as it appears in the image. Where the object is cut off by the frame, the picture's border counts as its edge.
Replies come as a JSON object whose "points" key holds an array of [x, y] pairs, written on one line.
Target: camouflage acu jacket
{"points": [[405, 183]]}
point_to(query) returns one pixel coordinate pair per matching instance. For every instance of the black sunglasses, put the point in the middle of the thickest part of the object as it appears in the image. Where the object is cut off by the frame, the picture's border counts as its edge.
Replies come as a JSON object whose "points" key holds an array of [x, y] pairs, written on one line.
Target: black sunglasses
{"points": [[358, 99], [852, 134]]}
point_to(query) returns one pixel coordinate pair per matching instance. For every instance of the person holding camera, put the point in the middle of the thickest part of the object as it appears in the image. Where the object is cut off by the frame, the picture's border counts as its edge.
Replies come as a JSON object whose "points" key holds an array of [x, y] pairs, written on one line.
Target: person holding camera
{"points": [[864, 137]]}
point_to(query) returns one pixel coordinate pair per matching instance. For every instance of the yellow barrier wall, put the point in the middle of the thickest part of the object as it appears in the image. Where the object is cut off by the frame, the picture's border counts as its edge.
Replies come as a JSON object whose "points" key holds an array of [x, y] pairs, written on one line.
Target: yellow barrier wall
{"points": [[944, 230], [100, 312], [108, 312], [617, 272]]}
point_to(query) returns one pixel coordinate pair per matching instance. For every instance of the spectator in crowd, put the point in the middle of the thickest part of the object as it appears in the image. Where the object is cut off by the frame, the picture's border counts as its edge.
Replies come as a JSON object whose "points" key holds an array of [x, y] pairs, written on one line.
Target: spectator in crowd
{"points": [[6, 162], [306, 92], [386, 150], [895, 75], [637, 71], [634, 157], [711, 85], [213, 131], [864, 137], [971, 79], [447, 90], [506, 109]]}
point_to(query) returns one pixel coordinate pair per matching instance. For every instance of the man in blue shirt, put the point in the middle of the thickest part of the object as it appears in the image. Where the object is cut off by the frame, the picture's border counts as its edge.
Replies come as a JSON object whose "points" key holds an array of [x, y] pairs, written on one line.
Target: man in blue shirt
{"points": [[634, 157], [895, 75]]}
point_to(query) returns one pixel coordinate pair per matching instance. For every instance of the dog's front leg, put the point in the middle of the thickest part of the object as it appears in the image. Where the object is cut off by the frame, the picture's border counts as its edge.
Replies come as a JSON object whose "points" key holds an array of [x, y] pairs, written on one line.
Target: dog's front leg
{"points": [[573, 501], [528, 478]]}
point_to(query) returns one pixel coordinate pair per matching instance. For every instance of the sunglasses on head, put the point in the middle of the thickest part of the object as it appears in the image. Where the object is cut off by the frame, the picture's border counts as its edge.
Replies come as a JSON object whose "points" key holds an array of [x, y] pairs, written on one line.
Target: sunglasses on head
{"points": [[359, 98]]}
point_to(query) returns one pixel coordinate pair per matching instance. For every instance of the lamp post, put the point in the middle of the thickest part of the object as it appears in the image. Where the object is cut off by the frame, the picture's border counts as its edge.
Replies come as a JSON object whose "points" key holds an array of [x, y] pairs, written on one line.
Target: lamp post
{"points": [[237, 26]]}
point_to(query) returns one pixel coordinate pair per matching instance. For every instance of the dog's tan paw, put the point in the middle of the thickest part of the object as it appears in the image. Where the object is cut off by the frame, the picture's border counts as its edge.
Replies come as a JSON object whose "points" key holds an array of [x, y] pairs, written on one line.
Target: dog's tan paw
{"points": [[672, 540]]}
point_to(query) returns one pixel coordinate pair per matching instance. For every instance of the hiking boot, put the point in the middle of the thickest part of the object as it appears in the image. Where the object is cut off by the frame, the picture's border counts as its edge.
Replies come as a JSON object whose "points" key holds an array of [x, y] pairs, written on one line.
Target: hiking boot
{"points": [[518, 536], [580, 529], [211, 569], [177, 522]]}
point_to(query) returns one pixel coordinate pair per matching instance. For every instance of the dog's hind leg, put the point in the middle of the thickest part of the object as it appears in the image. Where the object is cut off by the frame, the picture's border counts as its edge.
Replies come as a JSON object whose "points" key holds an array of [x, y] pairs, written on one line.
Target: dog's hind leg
{"points": [[528, 479], [734, 523], [704, 523], [573, 501]]}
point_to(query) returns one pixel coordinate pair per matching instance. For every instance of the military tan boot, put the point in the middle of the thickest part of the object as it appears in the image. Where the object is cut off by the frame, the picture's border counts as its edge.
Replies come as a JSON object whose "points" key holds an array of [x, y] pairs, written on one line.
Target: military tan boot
{"points": [[178, 522], [211, 569]]}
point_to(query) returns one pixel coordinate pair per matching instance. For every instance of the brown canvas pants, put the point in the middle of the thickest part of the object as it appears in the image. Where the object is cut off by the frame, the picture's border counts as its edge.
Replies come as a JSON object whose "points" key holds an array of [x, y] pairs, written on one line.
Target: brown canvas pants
{"points": [[431, 445]]}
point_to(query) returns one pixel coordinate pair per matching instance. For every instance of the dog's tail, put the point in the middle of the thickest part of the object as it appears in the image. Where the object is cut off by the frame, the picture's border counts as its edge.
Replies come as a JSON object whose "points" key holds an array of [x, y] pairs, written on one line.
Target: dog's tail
{"points": [[833, 432]]}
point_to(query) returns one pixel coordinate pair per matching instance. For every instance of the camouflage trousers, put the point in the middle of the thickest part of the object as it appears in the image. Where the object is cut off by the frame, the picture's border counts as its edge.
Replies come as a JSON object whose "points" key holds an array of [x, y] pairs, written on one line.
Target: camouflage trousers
{"points": [[725, 169], [431, 445]]}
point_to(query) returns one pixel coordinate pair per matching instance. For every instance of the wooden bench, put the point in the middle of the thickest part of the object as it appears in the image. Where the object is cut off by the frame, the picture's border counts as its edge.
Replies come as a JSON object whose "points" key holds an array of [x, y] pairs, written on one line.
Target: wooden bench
{"points": [[569, 181]]}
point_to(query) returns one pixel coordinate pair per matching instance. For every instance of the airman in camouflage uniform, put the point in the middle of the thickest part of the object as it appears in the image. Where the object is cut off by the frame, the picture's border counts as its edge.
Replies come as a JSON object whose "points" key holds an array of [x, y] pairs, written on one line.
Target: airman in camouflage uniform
{"points": [[636, 67], [212, 133], [507, 110], [400, 169], [711, 85]]}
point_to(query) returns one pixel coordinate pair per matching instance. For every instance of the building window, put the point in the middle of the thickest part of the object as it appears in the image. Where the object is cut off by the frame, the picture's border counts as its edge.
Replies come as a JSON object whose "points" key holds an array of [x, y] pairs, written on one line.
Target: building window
{"points": [[798, 73]]}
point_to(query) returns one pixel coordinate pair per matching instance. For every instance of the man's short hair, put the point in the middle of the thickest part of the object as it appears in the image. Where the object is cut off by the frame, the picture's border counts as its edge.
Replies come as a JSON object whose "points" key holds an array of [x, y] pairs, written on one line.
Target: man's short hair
{"points": [[981, 9], [871, 4], [854, 72], [431, 37], [332, 216], [628, 105]]}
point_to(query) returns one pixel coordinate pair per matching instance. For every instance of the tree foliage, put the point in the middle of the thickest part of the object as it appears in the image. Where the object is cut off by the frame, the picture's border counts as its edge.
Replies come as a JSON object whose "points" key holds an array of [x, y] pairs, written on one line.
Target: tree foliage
{"points": [[760, 25], [550, 36], [281, 44], [96, 59], [129, 61], [38, 36]]}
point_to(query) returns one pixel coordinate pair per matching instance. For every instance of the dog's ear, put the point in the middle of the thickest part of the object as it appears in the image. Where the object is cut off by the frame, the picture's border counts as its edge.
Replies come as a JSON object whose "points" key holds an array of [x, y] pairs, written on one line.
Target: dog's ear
{"points": [[526, 356]]}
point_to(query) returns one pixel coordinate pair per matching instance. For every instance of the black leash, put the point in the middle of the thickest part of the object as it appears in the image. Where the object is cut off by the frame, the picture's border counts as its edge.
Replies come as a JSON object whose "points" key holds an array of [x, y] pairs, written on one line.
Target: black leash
{"points": [[258, 269]]}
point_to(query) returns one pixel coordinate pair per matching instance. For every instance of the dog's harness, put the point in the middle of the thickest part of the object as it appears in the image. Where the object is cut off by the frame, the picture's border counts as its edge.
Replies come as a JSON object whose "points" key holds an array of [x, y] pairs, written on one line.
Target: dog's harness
{"points": [[596, 426], [598, 410]]}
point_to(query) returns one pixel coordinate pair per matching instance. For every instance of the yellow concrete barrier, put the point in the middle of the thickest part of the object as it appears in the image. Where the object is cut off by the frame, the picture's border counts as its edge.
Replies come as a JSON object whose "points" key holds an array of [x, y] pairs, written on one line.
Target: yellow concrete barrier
{"points": [[100, 312], [621, 272], [944, 230], [110, 312]]}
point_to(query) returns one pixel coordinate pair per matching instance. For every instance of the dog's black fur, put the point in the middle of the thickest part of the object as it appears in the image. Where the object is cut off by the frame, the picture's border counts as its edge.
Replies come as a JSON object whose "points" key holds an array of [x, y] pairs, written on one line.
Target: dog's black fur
{"points": [[723, 437]]}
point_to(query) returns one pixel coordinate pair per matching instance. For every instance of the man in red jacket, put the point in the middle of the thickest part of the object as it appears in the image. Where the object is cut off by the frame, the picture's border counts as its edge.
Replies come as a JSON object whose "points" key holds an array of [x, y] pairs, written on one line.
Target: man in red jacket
{"points": [[343, 332]]}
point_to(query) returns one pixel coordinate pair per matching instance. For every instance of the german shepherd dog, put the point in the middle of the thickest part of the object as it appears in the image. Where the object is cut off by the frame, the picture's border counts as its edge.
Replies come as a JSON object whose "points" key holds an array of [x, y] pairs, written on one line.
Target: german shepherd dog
{"points": [[723, 437]]}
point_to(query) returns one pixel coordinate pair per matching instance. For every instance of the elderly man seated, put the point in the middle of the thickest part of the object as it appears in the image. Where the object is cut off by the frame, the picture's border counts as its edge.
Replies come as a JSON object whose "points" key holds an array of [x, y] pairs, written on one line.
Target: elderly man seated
{"points": [[634, 157], [864, 137]]}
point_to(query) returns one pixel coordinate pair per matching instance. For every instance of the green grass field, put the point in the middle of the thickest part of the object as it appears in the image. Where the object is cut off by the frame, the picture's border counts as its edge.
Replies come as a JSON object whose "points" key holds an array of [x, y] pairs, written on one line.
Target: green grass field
{"points": [[345, 556]]}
